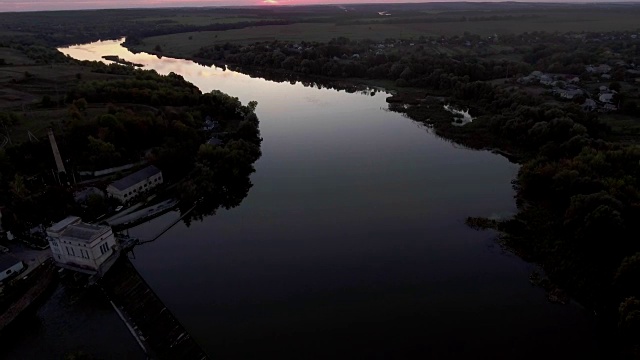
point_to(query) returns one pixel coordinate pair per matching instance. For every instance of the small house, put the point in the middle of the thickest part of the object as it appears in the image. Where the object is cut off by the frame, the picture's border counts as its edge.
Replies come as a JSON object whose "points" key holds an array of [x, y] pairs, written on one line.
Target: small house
{"points": [[589, 105], [606, 98], [570, 93], [546, 80]]}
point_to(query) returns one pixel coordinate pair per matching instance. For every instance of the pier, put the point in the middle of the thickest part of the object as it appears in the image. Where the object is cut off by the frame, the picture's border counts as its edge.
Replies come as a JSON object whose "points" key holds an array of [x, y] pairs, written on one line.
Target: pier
{"points": [[157, 331]]}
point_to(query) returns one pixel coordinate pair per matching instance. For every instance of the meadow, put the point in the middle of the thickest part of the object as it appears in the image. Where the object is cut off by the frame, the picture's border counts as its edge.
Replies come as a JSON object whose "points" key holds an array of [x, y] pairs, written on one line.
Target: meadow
{"points": [[405, 26]]}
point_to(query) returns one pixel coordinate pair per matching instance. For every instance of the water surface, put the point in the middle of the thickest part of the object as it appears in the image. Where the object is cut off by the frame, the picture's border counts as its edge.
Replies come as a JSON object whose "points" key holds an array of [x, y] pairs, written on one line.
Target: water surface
{"points": [[352, 242]]}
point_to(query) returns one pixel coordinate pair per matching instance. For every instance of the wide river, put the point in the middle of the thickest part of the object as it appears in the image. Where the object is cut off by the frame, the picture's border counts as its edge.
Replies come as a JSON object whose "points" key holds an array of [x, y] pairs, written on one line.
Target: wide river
{"points": [[352, 241]]}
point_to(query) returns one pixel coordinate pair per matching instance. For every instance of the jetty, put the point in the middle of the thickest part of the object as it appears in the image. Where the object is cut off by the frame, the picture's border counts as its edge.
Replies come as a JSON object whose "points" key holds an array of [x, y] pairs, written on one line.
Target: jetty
{"points": [[156, 329]]}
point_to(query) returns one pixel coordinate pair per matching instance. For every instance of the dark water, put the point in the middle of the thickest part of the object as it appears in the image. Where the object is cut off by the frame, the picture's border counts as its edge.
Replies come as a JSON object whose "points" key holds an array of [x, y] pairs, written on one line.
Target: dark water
{"points": [[352, 242], [70, 322]]}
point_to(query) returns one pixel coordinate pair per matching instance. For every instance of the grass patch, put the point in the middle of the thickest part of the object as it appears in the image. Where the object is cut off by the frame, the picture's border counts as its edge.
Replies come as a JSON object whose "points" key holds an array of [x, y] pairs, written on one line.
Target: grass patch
{"points": [[625, 128], [203, 19], [14, 57]]}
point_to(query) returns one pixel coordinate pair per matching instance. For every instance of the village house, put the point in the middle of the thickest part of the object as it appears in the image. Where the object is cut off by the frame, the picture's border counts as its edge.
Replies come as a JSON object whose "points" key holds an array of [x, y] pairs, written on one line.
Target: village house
{"points": [[573, 80], [79, 246], [139, 182], [589, 105], [600, 69], [10, 266], [606, 98], [546, 80], [569, 94]]}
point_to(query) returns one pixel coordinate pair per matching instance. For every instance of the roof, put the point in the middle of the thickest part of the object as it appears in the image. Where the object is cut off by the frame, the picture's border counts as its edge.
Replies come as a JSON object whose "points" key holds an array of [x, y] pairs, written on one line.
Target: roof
{"points": [[59, 226], [136, 177], [7, 261], [84, 232], [214, 141]]}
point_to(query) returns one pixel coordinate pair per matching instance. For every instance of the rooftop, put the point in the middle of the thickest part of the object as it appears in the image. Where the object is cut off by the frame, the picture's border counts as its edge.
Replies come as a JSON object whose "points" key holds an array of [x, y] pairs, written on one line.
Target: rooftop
{"points": [[84, 232], [57, 227], [136, 177]]}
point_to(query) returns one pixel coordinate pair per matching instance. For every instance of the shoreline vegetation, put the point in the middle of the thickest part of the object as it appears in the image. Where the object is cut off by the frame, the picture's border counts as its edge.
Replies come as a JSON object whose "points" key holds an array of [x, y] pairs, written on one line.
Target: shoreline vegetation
{"points": [[106, 116], [562, 104]]}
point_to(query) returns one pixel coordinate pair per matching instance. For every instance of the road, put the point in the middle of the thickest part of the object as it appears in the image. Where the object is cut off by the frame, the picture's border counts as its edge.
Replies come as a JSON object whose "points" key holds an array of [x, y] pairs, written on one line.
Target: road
{"points": [[31, 257]]}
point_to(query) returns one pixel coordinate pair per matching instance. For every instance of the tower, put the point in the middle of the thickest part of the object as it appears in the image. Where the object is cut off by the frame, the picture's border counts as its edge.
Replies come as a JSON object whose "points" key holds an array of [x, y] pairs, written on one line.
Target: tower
{"points": [[56, 153]]}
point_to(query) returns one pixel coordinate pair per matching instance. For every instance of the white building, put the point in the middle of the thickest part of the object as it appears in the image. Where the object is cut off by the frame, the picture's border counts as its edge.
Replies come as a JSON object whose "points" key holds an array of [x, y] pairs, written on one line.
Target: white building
{"points": [[571, 93], [600, 69], [10, 266], [606, 98], [79, 246], [131, 186]]}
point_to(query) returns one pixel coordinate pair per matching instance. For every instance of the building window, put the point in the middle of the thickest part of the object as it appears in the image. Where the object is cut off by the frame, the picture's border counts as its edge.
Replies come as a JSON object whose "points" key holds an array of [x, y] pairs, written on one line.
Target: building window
{"points": [[70, 251], [104, 248]]}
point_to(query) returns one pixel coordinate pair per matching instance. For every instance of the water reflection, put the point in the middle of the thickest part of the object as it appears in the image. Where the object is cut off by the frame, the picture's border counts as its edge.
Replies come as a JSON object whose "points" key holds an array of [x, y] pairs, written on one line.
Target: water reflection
{"points": [[203, 74]]}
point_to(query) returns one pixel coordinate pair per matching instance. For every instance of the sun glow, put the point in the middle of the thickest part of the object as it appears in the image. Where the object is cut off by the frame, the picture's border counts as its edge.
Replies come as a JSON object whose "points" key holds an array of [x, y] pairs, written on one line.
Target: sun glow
{"points": [[270, 2]]}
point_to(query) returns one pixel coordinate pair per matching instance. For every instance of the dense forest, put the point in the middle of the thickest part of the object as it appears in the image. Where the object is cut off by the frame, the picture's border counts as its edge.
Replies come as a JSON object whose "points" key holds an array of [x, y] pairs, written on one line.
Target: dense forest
{"points": [[134, 116]]}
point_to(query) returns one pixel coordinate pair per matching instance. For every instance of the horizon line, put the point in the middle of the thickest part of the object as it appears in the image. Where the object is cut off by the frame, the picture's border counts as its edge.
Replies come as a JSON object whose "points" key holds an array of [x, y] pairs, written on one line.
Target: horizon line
{"points": [[288, 5]]}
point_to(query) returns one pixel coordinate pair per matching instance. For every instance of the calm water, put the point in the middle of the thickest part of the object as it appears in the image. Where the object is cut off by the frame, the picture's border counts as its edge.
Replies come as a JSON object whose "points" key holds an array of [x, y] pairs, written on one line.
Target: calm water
{"points": [[352, 242], [70, 322]]}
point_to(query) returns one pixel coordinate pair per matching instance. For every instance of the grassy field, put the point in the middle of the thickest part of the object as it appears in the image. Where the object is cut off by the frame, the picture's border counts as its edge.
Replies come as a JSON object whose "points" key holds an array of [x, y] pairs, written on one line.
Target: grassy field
{"points": [[548, 21], [14, 57], [180, 43], [22, 88], [201, 20], [625, 128]]}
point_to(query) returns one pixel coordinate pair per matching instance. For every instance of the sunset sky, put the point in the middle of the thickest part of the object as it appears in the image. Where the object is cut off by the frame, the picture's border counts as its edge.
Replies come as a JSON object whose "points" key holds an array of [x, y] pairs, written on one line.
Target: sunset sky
{"points": [[34, 5], [31, 5]]}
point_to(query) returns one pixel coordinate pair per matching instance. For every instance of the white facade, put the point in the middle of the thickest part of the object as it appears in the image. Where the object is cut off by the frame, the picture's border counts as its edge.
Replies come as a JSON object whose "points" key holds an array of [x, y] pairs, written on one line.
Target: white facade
{"points": [[81, 246], [139, 182], [10, 266]]}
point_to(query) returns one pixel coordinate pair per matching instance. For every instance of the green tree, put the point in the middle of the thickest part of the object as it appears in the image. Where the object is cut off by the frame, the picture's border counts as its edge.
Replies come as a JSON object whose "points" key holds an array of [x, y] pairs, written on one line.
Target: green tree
{"points": [[615, 86], [19, 188]]}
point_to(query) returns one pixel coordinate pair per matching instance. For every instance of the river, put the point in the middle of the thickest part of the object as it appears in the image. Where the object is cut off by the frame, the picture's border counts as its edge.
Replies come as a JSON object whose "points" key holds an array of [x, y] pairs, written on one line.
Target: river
{"points": [[351, 242]]}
